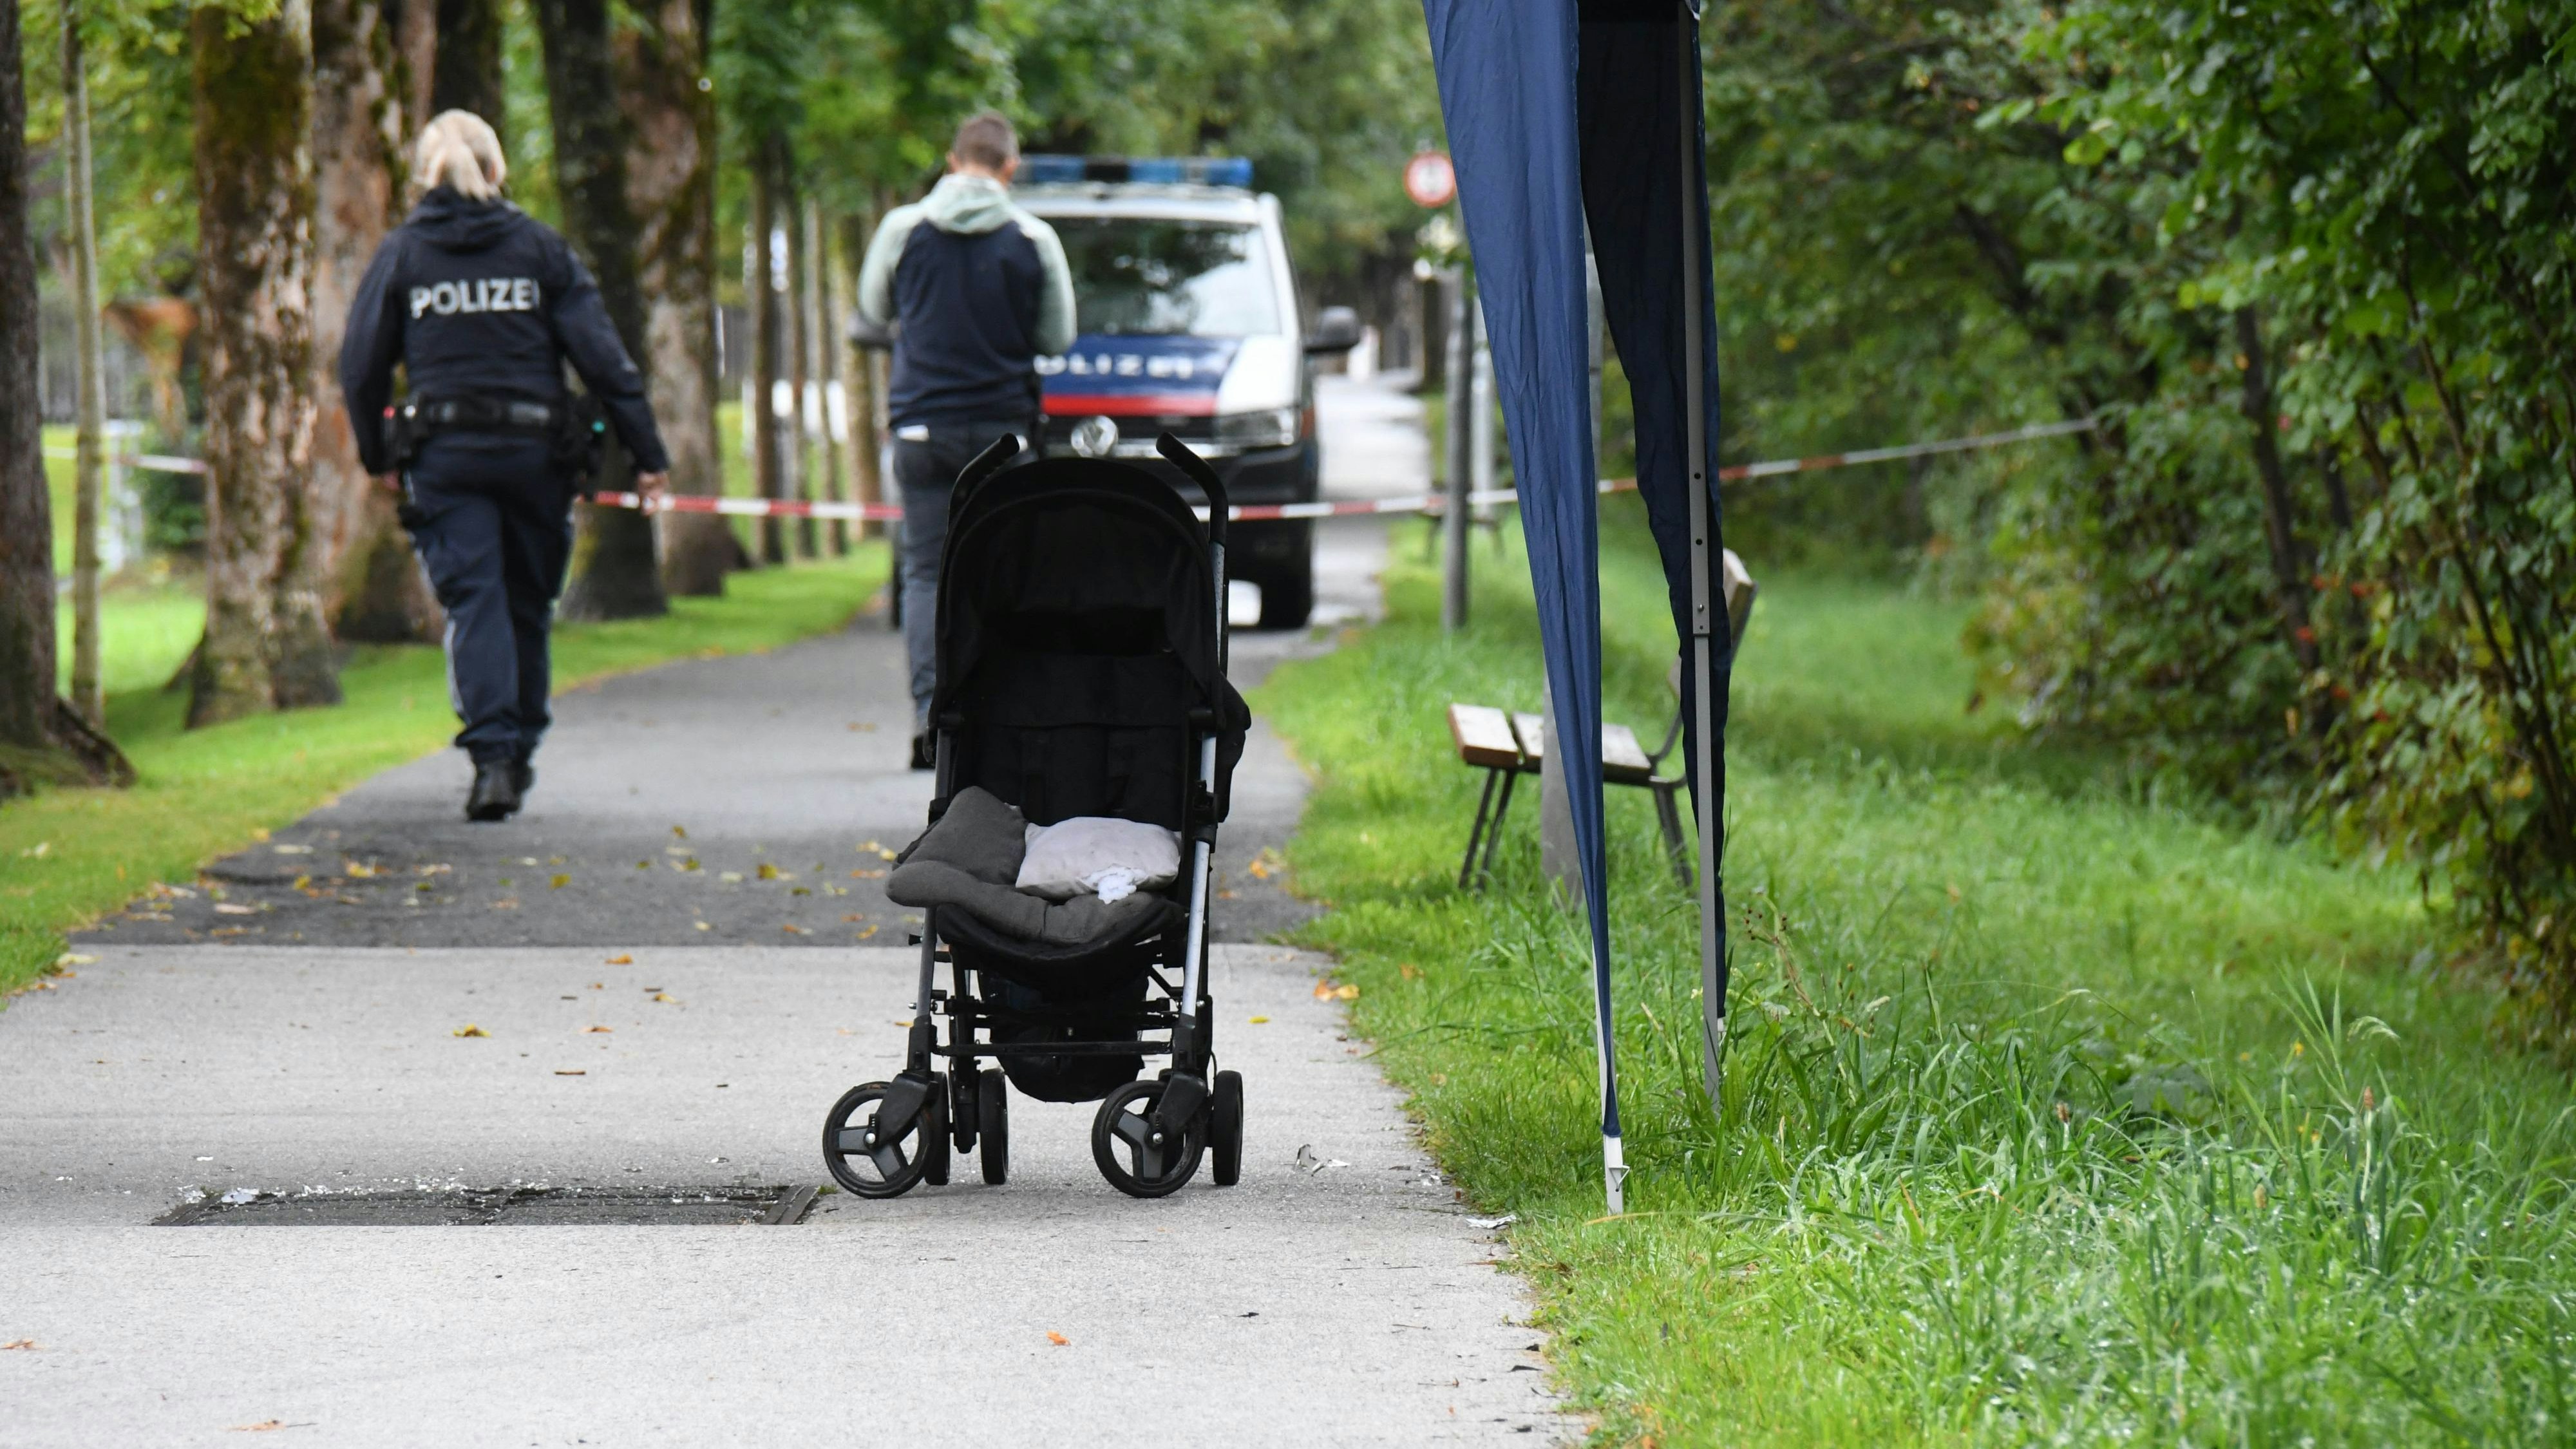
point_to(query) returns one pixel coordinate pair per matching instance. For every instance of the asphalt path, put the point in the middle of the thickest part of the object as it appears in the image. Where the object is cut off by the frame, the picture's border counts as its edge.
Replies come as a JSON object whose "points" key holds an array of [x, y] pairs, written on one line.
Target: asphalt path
{"points": [[398, 1002]]}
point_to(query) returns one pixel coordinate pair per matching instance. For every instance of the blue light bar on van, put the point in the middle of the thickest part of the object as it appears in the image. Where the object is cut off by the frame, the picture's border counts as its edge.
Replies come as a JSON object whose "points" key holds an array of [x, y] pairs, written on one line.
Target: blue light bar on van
{"points": [[1233, 171]]}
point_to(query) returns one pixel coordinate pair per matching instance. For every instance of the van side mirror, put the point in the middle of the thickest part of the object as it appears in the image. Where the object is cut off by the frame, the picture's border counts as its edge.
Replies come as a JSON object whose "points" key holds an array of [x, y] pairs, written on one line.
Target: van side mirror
{"points": [[1337, 329]]}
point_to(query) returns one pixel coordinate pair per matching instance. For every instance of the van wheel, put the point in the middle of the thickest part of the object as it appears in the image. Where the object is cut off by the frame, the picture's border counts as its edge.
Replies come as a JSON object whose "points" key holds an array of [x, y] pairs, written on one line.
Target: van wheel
{"points": [[1288, 597]]}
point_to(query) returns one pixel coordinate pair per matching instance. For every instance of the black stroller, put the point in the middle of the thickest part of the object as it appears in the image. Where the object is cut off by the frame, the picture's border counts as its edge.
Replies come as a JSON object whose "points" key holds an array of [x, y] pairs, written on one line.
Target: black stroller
{"points": [[1082, 656]]}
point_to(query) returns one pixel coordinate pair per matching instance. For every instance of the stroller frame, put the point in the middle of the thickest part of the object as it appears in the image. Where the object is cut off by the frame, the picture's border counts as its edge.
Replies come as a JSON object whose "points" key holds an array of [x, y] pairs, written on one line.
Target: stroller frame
{"points": [[1149, 1135]]}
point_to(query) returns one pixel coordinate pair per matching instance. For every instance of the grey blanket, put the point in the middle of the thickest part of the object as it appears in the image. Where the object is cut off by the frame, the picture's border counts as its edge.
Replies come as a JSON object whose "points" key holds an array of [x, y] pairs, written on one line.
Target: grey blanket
{"points": [[970, 860]]}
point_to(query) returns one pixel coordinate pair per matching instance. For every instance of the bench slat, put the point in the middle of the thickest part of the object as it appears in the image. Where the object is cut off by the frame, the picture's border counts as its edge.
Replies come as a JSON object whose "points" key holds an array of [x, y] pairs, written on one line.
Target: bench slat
{"points": [[1484, 736], [1623, 760]]}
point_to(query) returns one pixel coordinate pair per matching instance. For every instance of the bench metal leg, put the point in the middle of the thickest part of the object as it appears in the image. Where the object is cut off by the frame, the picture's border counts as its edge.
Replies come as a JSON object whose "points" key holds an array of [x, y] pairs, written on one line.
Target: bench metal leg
{"points": [[1668, 813], [1494, 831], [1476, 836]]}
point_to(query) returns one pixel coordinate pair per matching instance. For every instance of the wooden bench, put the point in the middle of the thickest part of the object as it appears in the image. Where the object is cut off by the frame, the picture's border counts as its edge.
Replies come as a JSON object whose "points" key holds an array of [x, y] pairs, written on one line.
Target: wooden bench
{"points": [[1508, 746]]}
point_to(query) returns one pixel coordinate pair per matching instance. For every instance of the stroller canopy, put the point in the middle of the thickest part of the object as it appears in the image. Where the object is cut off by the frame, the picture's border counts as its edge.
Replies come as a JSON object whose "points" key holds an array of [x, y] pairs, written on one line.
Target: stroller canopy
{"points": [[1080, 627]]}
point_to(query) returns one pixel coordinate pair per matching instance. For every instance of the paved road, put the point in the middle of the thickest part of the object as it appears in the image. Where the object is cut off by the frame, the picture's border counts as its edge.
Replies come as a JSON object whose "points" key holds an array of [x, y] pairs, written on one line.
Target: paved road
{"points": [[1344, 1300]]}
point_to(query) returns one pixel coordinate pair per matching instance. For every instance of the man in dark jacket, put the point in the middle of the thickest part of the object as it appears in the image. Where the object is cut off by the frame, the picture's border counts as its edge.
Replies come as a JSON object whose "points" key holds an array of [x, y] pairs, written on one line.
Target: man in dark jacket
{"points": [[981, 291], [482, 306]]}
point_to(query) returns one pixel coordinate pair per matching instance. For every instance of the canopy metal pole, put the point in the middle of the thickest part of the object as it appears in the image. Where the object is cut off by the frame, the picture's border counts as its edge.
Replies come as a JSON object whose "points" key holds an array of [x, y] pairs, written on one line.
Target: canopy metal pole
{"points": [[1459, 464], [1705, 617]]}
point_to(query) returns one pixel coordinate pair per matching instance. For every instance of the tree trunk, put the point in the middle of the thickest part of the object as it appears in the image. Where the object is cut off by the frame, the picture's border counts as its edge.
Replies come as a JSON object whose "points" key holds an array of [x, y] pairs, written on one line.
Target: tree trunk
{"points": [[376, 594], [822, 319], [670, 189], [761, 417], [413, 34], [800, 368], [866, 486], [465, 69], [87, 696], [615, 574], [2280, 529], [26, 509], [266, 646]]}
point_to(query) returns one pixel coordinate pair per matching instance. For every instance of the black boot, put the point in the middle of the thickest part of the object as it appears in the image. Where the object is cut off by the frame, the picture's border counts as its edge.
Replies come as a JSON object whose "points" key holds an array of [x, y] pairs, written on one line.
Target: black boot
{"points": [[496, 791], [523, 776], [925, 752]]}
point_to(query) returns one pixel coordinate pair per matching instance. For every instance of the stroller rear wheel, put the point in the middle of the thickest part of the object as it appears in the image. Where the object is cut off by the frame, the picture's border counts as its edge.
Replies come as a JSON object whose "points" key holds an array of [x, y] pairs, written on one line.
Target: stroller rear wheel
{"points": [[993, 1107], [1138, 1158], [1225, 1129], [871, 1162]]}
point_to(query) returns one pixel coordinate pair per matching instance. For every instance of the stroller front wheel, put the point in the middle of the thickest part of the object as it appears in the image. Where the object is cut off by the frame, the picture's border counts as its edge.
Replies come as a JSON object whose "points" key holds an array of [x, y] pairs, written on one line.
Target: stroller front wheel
{"points": [[872, 1162], [1137, 1156]]}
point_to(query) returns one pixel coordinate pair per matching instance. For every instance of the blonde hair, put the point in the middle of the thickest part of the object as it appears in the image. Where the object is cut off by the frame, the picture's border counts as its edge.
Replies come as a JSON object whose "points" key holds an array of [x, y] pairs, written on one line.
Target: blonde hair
{"points": [[458, 150]]}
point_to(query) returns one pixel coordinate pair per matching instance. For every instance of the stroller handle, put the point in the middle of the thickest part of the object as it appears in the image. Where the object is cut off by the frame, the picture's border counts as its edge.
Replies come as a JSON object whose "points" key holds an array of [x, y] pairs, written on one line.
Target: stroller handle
{"points": [[1178, 454], [987, 463]]}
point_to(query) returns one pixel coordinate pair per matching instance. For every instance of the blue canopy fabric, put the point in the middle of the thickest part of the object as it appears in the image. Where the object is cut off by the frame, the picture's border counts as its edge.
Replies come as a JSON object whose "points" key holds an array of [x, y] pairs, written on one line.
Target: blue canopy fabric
{"points": [[1559, 111]]}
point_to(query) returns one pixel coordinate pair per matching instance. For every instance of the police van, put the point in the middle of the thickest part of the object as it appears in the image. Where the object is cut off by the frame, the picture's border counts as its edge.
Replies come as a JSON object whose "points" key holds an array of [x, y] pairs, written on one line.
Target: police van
{"points": [[1187, 321]]}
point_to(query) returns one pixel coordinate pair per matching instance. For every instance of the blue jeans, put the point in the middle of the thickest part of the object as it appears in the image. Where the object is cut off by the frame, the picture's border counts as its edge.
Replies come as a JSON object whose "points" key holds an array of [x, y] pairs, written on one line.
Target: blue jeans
{"points": [[926, 469]]}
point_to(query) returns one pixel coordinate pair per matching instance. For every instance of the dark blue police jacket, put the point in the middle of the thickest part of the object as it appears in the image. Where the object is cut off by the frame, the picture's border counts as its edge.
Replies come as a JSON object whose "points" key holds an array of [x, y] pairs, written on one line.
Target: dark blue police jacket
{"points": [[479, 299]]}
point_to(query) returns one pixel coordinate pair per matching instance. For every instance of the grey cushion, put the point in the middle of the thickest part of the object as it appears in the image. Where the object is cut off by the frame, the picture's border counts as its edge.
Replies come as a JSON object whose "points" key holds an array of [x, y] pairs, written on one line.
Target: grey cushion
{"points": [[979, 835], [969, 861]]}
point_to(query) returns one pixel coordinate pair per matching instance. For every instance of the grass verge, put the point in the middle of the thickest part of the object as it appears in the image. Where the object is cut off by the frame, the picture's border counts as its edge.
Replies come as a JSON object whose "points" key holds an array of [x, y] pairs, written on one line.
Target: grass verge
{"points": [[68, 855], [2056, 1109]]}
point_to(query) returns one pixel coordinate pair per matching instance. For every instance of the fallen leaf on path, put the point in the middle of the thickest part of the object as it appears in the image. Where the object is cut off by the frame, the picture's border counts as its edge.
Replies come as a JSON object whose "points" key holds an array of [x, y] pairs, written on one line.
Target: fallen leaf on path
{"points": [[622, 958], [1058, 1339], [870, 931], [679, 832], [558, 881], [1323, 991], [867, 875], [852, 920], [731, 877], [469, 1029], [1347, 992], [230, 909], [793, 929], [356, 871], [1258, 1020], [703, 926], [292, 849], [575, 1072], [599, 986], [21, 1343], [262, 1427], [885, 854], [75, 958], [666, 996], [603, 1028], [771, 872]]}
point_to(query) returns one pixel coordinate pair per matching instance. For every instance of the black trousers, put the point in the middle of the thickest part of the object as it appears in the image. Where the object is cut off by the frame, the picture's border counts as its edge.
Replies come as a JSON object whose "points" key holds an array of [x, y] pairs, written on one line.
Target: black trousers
{"points": [[492, 523]]}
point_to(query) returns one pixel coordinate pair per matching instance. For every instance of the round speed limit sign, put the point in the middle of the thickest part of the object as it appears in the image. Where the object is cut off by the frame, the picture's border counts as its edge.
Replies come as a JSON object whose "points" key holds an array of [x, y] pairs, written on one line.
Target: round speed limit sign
{"points": [[1429, 179]]}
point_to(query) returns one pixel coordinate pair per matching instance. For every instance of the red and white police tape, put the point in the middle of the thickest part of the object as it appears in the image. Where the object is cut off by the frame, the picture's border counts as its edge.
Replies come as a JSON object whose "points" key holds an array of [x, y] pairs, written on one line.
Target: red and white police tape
{"points": [[1252, 512], [1413, 503]]}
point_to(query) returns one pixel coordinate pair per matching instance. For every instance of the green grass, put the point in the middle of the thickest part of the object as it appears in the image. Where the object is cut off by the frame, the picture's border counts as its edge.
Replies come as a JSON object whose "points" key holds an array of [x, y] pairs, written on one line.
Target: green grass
{"points": [[2056, 1110], [67, 855]]}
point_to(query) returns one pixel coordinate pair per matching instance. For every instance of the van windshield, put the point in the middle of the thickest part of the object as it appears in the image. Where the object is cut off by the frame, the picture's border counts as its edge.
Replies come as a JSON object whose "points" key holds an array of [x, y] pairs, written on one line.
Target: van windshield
{"points": [[1141, 277]]}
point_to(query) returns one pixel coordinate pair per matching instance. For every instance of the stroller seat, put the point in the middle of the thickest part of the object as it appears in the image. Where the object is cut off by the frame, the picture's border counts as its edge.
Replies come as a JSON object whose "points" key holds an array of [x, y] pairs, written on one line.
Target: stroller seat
{"points": [[1081, 672]]}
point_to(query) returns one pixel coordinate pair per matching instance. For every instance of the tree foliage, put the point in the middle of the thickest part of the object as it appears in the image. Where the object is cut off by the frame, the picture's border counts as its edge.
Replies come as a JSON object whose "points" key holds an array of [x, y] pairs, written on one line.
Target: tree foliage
{"points": [[2308, 264]]}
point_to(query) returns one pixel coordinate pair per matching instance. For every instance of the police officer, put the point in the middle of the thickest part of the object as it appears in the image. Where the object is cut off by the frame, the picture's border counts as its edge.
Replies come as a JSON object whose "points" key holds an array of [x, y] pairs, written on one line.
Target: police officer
{"points": [[482, 306]]}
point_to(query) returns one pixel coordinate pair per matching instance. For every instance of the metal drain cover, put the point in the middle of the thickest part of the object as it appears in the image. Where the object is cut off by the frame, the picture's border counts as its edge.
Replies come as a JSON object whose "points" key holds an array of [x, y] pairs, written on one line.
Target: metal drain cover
{"points": [[491, 1206]]}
